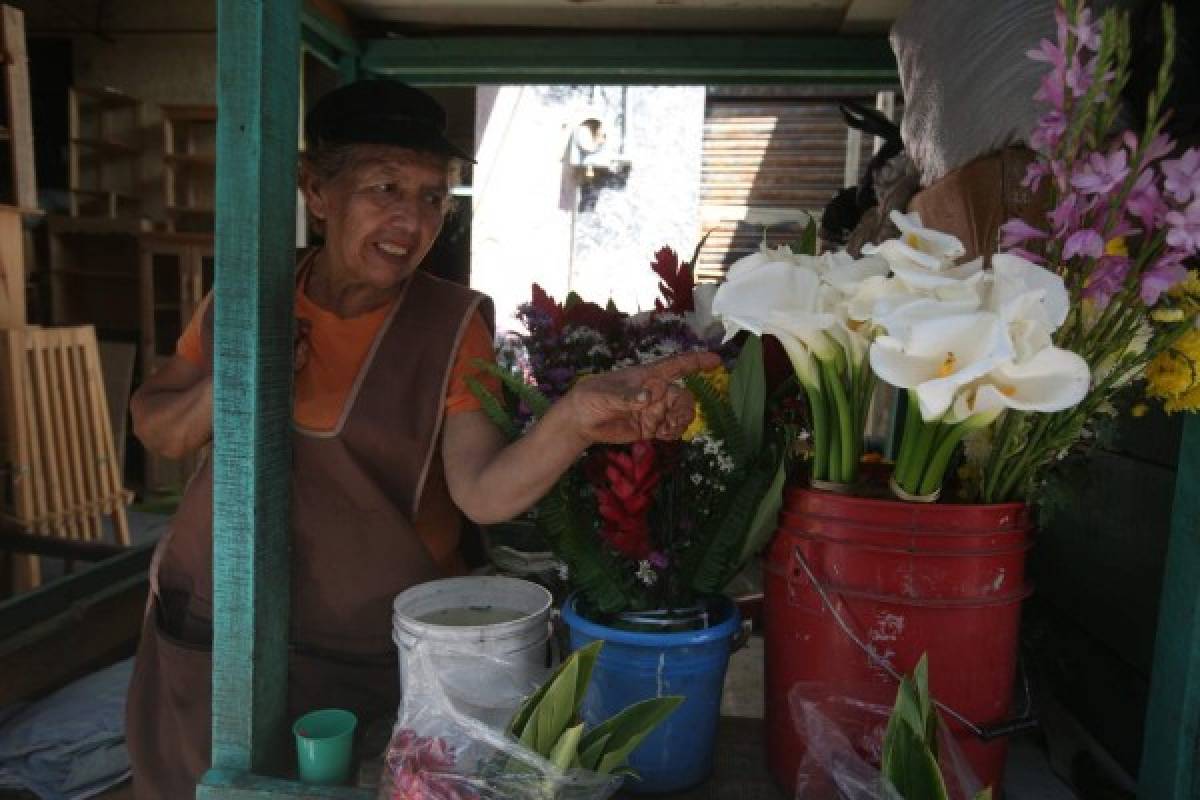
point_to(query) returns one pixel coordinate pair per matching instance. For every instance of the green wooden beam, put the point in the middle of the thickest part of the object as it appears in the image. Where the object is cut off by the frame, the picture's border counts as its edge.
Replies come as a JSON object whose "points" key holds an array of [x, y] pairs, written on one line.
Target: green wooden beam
{"points": [[226, 785], [257, 98], [1170, 768], [633, 59]]}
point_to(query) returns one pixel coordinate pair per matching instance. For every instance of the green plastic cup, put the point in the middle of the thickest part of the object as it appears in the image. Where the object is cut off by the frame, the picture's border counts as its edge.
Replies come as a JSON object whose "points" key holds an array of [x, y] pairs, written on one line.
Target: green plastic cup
{"points": [[324, 743]]}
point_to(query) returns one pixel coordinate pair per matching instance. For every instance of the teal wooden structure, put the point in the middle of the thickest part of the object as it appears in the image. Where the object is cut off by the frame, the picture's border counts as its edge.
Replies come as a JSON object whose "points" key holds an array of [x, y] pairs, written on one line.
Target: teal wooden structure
{"points": [[258, 56]]}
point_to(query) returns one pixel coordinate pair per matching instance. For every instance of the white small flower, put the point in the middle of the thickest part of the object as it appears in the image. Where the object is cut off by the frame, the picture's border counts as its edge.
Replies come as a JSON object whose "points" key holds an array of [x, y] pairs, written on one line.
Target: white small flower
{"points": [[646, 573], [599, 350], [582, 333], [563, 572], [697, 478]]}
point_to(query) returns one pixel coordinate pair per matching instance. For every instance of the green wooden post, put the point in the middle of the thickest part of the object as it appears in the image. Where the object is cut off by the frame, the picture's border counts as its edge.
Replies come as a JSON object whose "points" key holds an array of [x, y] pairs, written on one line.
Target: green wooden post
{"points": [[1170, 767], [257, 96], [633, 59]]}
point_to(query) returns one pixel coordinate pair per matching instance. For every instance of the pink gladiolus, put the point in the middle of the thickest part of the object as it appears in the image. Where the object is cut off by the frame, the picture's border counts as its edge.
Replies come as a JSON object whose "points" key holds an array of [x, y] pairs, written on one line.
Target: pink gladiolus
{"points": [[1184, 231], [1106, 279], [1034, 174], [1049, 53], [1101, 174], [1050, 91], [1065, 215], [1078, 77], [1183, 175], [1050, 128], [1145, 202], [1166, 272], [1086, 242], [1086, 31], [1021, 252], [1016, 231]]}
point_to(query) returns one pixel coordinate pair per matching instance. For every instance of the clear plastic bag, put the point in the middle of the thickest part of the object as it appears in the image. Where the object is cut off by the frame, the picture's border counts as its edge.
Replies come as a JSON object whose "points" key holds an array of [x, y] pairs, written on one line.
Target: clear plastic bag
{"points": [[841, 733], [449, 741]]}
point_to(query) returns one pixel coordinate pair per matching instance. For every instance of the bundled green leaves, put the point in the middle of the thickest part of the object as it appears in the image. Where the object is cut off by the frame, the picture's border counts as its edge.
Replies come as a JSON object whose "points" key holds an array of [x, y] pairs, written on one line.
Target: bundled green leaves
{"points": [[548, 721], [910, 750]]}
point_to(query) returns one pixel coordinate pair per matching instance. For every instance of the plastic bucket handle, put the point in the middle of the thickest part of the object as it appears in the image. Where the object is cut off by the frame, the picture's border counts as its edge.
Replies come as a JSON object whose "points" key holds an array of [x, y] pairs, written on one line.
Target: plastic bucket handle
{"points": [[984, 733]]}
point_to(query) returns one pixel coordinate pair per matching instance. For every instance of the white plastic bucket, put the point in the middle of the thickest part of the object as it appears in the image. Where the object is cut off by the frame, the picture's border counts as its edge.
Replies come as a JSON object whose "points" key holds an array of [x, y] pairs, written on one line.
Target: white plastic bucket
{"points": [[485, 669]]}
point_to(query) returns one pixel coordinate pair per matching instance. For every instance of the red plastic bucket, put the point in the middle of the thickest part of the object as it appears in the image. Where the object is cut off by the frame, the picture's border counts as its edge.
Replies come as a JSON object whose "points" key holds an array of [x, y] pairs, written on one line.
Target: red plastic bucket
{"points": [[904, 579]]}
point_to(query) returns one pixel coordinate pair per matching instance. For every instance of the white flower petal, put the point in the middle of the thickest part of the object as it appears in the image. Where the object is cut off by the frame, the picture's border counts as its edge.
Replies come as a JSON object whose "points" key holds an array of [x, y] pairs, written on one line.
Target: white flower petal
{"points": [[1023, 289]]}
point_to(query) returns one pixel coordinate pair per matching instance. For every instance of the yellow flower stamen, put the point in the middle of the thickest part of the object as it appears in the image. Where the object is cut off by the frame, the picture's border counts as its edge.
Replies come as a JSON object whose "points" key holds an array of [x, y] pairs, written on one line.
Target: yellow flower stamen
{"points": [[911, 240], [1116, 247], [1167, 315], [1007, 391], [1139, 410], [948, 366]]}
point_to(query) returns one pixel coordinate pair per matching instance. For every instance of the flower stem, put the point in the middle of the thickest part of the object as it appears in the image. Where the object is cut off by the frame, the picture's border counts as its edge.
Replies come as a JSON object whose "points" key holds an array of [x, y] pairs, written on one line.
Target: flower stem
{"points": [[935, 471], [908, 436], [909, 473], [842, 465], [820, 431]]}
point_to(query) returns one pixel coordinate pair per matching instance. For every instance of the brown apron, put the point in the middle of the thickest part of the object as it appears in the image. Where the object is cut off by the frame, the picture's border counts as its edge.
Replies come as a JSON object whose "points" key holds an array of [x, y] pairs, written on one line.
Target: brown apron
{"points": [[973, 201], [355, 496]]}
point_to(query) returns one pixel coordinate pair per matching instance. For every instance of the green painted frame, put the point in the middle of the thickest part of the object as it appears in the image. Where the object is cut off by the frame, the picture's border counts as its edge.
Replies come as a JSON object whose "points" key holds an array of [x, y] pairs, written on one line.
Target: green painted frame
{"points": [[632, 59], [257, 44]]}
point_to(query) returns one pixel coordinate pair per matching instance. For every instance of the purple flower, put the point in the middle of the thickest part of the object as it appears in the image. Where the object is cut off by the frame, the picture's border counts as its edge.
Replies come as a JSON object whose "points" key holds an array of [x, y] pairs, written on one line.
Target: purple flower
{"points": [[1101, 174], [1034, 174], [1183, 175], [1160, 146], [1049, 53], [1021, 252], [658, 559], [1078, 77], [1106, 279], [1050, 91], [1145, 202], [1050, 128], [1086, 31], [1065, 215], [1086, 242], [1184, 233], [1016, 231], [1165, 273]]}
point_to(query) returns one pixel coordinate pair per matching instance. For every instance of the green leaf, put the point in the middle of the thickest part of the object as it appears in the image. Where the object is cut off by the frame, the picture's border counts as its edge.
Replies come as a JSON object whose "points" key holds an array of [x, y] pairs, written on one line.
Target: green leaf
{"points": [[925, 704], [606, 747], [748, 393], [594, 570], [766, 517], [807, 243], [554, 712], [537, 402], [494, 409], [984, 794], [564, 754], [584, 659], [719, 416], [908, 764]]}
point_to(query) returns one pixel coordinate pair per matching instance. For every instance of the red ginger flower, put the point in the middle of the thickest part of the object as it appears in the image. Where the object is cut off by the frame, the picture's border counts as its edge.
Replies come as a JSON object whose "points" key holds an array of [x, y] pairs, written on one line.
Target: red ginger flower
{"points": [[625, 484]]}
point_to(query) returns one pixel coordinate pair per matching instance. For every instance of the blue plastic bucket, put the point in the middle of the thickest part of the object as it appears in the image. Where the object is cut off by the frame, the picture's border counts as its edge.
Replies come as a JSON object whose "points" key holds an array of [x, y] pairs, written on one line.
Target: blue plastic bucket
{"points": [[637, 666]]}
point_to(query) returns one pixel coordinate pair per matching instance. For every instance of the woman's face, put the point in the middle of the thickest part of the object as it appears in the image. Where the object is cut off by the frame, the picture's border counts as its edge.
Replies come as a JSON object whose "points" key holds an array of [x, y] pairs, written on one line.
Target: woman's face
{"points": [[381, 212]]}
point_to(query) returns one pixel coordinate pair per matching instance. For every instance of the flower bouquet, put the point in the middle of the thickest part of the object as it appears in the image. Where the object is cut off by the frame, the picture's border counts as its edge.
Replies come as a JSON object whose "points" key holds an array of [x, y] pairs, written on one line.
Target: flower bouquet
{"points": [[652, 526], [1021, 355]]}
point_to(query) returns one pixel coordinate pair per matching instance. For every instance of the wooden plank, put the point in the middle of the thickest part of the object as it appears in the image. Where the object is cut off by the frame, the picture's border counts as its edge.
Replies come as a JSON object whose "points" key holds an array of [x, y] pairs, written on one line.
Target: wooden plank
{"points": [[91, 450], [1170, 768], [77, 432], [20, 116], [43, 427], [257, 119], [633, 59], [115, 497], [49, 340], [12, 269]]}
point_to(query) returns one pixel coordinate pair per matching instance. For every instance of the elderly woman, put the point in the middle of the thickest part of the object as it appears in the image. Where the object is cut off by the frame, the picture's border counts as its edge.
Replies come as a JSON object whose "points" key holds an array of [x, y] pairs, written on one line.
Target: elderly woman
{"points": [[389, 447]]}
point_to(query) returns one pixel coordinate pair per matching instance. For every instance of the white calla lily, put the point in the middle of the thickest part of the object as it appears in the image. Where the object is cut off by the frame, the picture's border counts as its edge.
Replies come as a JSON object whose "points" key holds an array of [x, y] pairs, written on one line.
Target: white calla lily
{"points": [[748, 297], [940, 355], [1052, 380], [702, 321], [847, 274], [917, 245], [1028, 295]]}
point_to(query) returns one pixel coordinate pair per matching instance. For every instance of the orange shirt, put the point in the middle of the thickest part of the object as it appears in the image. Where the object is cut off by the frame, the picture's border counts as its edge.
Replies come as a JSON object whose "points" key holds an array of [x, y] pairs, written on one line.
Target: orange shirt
{"points": [[337, 350]]}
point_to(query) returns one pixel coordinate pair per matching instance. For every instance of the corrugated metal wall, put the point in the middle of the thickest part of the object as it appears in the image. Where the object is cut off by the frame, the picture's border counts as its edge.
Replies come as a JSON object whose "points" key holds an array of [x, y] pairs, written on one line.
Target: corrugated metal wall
{"points": [[769, 157]]}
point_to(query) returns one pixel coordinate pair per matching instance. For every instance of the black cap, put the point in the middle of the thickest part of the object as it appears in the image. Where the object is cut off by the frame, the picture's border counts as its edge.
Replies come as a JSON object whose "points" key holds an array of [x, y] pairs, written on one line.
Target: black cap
{"points": [[380, 111]]}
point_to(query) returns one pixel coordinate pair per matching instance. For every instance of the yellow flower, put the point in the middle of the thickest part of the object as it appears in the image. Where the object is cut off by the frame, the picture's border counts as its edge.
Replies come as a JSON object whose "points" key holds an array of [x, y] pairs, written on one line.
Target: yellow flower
{"points": [[1188, 401], [1167, 315], [718, 379], [1116, 247], [1188, 286], [1173, 375]]}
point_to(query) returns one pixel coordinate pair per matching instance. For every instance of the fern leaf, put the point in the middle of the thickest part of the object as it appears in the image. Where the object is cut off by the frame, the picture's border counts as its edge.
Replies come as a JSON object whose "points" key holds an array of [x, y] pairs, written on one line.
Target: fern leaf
{"points": [[537, 402], [595, 572], [494, 409], [717, 556], [719, 417]]}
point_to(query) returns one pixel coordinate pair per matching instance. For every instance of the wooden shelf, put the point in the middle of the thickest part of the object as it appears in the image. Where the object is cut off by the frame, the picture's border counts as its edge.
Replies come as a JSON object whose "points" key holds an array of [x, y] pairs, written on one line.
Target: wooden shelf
{"points": [[113, 98], [190, 113], [185, 160], [109, 146], [184, 211]]}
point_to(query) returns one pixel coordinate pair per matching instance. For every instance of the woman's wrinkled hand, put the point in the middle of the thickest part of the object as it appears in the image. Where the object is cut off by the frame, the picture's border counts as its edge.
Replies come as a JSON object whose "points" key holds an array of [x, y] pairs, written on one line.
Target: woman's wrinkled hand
{"points": [[641, 402]]}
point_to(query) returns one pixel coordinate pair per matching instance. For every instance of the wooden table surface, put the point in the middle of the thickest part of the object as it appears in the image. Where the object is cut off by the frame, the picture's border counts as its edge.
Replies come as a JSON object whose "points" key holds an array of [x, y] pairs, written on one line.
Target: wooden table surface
{"points": [[740, 768]]}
